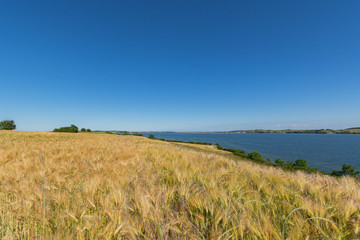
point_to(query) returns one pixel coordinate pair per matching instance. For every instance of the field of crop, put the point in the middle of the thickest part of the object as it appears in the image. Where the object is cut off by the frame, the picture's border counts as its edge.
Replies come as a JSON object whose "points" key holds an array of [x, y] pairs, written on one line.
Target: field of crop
{"points": [[102, 186]]}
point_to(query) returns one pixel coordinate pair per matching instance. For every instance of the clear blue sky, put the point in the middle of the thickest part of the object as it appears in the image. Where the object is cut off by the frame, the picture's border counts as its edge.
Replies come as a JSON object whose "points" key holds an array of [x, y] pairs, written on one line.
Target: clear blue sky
{"points": [[180, 65]]}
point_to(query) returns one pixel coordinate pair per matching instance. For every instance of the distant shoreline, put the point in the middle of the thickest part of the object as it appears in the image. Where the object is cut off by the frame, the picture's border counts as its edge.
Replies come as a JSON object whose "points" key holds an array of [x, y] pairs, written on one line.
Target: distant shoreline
{"points": [[307, 131], [284, 131]]}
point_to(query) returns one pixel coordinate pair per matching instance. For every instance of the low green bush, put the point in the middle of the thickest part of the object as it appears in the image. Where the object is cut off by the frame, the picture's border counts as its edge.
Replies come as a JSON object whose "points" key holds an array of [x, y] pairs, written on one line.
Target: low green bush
{"points": [[219, 147], [300, 163], [256, 157]]}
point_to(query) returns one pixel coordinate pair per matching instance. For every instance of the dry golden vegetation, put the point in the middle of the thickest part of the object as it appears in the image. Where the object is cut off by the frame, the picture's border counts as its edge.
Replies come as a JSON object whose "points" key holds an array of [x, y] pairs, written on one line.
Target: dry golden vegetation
{"points": [[102, 186], [355, 130]]}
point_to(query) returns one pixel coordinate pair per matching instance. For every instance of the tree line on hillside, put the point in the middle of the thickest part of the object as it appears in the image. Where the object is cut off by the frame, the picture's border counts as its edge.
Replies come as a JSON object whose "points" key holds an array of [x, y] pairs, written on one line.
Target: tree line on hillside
{"points": [[299, 164]]}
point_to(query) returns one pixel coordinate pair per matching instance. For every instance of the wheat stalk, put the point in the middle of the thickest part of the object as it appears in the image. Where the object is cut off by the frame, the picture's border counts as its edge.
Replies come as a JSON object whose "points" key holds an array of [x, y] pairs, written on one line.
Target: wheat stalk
{"points": [[43, 163]]}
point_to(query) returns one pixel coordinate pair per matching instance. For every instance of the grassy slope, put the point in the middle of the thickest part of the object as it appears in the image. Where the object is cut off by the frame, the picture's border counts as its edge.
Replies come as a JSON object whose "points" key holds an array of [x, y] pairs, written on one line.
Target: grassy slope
{"points": [[357, 130], [103, 186]]}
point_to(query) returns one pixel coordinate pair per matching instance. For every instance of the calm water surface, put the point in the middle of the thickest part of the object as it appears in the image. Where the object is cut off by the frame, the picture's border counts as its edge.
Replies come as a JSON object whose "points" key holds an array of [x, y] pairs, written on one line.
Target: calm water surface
{"points": [[323, 151]]}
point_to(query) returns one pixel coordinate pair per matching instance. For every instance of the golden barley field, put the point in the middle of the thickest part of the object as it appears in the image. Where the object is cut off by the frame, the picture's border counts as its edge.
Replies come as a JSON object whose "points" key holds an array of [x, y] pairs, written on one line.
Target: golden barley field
{"points": [[102, 186]]}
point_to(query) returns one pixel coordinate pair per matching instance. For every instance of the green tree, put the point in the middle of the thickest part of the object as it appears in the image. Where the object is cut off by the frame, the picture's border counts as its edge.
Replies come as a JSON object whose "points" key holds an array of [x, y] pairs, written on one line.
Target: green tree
{"points": [[289, 164], [7, 125], [240, 153], [346, 170], [256, 157], [88, 130], [83, 130], [279, 162], [268, 161], [151, 136], [300, 163]]}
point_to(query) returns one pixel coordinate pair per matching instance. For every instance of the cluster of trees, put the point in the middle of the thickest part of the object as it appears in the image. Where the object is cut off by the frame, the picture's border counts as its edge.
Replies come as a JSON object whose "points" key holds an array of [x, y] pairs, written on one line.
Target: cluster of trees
{"points": [[299, 164], [71, 129], [85, 130], [7, 125], [346, 170]]}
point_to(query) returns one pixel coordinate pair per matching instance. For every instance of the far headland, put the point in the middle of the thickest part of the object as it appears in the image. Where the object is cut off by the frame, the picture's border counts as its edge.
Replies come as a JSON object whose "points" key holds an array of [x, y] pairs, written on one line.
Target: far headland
{"points": [[353, 130]]}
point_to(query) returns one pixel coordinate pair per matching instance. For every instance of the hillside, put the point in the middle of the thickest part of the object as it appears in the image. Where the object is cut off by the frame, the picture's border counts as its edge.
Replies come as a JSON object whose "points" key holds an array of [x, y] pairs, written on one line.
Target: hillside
{"points": [[103, 186]]}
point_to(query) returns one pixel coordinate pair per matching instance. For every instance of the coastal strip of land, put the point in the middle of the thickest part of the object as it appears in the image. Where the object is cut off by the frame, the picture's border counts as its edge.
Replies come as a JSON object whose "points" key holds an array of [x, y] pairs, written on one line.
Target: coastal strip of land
{"points": [[355, 130]]}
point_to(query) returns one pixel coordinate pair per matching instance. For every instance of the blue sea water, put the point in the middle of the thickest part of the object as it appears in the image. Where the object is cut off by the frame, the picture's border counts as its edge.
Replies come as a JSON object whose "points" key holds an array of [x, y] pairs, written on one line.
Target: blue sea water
{"points": [[326, 152]]}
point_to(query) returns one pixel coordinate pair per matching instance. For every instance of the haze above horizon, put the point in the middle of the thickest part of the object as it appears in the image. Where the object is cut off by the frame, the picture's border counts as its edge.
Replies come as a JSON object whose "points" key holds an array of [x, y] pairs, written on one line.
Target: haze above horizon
{"points": [[180, 65]]}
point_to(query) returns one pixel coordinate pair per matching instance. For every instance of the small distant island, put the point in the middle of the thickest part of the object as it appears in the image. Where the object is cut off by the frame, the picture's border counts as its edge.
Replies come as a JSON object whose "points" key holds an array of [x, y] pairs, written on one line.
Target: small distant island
{"points": [[354, 130]]}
